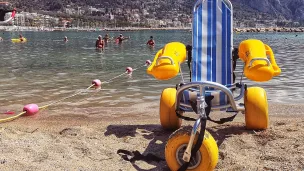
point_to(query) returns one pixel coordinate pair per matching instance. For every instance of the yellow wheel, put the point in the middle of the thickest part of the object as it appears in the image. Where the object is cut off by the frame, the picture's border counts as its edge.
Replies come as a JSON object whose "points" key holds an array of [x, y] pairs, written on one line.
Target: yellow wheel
{"points": [[168, 118], [256, 108], [205, 159]]}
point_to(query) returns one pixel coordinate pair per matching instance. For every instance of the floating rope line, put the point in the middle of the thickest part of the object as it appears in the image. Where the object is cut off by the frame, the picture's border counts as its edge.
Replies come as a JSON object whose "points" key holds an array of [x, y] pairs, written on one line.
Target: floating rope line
{"points": [[12, 117], [32, 109], [108, 81], [129, 70], [46, 106]]}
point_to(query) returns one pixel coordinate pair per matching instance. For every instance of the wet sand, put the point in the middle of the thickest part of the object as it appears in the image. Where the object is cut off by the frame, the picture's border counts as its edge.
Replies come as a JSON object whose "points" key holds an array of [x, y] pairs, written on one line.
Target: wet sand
{"points": [[88, 139]]}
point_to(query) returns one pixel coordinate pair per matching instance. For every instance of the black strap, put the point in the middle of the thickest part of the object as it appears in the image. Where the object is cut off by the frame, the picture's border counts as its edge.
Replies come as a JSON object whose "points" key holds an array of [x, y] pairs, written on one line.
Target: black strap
{"points": [[136, 155], [221, 121], [207, 110], [235, 57], [189, 50]]}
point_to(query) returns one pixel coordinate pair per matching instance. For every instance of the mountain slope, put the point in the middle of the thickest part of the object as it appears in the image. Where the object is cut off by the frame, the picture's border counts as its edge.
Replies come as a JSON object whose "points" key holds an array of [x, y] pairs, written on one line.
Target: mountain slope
{"points": [[244, 9], [290, 9]]}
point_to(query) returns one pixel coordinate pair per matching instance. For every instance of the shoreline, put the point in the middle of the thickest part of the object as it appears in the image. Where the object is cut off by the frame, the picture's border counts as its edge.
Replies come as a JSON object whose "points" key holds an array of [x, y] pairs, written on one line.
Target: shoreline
{"points": [[238, 30]]}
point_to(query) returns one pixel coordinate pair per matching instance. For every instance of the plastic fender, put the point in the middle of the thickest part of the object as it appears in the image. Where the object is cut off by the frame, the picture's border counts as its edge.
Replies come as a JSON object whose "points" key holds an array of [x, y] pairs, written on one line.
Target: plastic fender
{"points": [[256, 108]]}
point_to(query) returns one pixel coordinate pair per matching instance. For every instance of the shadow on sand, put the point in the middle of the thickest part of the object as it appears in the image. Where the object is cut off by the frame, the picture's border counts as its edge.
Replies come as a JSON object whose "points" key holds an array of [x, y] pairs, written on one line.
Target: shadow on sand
{"points": [[225, 131], [156, 134]]}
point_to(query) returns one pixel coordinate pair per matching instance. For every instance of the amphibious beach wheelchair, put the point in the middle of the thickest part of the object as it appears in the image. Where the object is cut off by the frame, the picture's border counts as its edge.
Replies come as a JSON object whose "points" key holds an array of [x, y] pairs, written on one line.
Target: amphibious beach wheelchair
{"points": [[212, 85]]}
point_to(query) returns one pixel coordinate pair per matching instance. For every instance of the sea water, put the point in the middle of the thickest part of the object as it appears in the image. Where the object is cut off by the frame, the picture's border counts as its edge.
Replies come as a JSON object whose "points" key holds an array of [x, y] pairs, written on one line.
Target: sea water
{"points": [[46, 69]]}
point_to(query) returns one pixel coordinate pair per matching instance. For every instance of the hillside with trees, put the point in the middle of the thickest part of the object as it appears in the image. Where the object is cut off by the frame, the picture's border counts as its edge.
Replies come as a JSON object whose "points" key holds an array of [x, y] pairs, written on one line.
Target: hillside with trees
{"points": [[244, 10]]}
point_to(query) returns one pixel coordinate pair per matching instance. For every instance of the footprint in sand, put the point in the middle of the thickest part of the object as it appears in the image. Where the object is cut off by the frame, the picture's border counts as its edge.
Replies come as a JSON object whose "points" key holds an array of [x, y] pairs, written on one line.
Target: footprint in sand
{"points": [[70, 132]]}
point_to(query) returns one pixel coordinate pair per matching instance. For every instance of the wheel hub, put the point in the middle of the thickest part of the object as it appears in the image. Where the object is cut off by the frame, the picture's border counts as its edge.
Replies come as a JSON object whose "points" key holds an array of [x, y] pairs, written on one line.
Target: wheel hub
{"points": [[195, 160]]}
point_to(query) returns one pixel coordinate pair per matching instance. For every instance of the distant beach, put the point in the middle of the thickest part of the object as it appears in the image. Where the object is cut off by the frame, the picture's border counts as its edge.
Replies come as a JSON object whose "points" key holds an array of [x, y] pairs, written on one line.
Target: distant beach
{"points": [[247, 29], [23, 28], [270, 29]]}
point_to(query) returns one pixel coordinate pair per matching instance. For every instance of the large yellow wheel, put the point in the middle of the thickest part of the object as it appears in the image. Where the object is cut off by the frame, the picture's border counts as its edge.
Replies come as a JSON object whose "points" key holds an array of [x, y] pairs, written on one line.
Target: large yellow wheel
{"points": [[168, 118], [256, 108], [205, 159]]}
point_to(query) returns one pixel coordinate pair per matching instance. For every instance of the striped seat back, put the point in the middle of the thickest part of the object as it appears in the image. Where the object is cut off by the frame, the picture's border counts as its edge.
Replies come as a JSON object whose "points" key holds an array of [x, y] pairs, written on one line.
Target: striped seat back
{"points": [[212, 41], [212, 44]]}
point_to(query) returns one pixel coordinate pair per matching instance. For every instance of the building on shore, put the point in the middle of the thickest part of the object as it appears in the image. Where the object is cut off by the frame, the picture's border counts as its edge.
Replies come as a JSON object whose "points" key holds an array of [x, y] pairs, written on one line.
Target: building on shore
{"points": [[33, 19]]}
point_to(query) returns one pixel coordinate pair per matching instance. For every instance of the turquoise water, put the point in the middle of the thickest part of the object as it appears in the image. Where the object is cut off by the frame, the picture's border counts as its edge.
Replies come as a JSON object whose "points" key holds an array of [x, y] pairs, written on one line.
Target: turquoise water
{"points": [[46, 69]]}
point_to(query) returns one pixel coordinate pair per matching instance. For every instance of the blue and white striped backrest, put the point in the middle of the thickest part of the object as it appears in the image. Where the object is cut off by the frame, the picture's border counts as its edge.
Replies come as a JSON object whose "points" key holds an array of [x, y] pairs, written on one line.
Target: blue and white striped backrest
{"points": [[212, 41]]}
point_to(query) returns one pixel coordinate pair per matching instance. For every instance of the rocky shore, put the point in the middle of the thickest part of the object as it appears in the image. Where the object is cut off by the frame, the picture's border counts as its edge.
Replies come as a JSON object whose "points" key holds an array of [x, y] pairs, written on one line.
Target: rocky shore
{"points": [[271, 29]]}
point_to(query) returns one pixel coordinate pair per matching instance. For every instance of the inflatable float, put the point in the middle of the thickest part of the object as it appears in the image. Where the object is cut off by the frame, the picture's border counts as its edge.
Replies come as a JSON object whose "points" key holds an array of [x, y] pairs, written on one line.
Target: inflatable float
{"points": [[258, 67], [18, 40], [166, 63]]}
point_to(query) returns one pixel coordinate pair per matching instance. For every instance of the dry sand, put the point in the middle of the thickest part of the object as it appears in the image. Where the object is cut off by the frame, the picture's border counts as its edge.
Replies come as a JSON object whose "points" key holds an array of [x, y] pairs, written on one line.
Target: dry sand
{"points": [[88, 139]]}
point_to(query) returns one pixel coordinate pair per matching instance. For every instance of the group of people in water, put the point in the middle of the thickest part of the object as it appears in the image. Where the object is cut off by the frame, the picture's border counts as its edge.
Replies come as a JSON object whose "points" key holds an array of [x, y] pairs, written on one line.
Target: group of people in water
{"points": [[101, 41]]}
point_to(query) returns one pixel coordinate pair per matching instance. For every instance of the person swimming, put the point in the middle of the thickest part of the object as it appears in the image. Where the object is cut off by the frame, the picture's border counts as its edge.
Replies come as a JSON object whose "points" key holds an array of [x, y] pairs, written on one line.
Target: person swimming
{"points": [[120, 38], [21, 38], [106, 38], [99, 43], [151, 42], [65, 39]]}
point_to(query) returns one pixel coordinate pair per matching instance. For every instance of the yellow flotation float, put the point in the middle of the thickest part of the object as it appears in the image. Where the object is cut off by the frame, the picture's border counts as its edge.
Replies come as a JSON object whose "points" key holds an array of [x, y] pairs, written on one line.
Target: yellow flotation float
{"points": [[166, 63], [257, 66], [18, 40]]}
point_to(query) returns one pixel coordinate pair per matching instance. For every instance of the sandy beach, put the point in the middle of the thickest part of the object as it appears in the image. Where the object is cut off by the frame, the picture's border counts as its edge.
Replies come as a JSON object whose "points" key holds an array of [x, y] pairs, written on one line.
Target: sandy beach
{"points": [[88, 139]]}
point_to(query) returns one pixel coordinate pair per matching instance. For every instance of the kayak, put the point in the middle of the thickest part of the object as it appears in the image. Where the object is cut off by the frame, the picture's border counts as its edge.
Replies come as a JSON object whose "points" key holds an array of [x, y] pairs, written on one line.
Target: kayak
{"points": [[18, 40]]}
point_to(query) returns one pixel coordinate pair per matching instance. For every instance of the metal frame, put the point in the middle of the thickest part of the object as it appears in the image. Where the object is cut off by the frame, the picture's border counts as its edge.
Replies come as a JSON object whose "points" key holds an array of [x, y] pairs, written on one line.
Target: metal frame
{"points": [[202, 90], [202, 87], [259, 59], [201, 106]]}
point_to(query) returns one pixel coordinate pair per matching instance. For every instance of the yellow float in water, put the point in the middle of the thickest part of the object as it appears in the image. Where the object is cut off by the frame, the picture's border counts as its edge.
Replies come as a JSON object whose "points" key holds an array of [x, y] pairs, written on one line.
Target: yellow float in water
{"points": [[166, 63], [257, 66], [18, 40]]}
